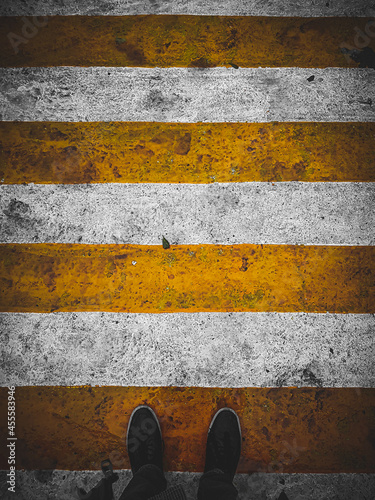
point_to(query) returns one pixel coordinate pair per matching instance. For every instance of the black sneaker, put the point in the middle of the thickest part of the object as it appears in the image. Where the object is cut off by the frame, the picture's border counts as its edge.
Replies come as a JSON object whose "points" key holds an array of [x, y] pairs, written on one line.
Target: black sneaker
{"points": [[143, 439], [283, 496], [224, 442]]}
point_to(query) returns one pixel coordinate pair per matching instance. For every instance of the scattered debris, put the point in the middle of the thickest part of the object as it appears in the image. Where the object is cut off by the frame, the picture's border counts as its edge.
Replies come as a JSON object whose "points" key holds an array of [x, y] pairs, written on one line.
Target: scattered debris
{"points": [[245, 264], [311, 78], [166, 244], [234, 65]]}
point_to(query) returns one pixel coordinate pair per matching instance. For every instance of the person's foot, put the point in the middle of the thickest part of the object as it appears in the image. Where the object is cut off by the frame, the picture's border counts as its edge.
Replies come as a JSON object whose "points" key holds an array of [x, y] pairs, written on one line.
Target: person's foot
{"points": [[143, 440], [224, 442]]}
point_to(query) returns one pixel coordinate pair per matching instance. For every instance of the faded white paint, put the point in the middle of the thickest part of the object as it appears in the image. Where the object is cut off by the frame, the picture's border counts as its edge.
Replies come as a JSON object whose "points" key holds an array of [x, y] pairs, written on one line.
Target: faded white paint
{"points": [[194, 7], [59, 484], [187, 94], [188, 349], [231, 213], [206, 349]]}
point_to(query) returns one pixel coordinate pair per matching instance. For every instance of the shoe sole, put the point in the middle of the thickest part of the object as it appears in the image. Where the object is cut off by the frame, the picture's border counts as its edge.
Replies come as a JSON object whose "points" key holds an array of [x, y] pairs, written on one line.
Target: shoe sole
{"points": [[131, 418], [218, 413]]}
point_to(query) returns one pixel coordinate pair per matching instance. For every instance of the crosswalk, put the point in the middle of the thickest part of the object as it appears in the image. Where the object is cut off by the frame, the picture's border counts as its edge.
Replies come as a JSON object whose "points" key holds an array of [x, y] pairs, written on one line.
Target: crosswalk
{"points": [[244, 135]]}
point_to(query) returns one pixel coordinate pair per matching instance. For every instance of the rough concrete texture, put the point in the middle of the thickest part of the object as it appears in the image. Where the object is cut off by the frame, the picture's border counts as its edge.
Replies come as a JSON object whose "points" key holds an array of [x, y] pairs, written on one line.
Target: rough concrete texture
{"points": [[61, 485], [202, 7], [225, 213], [187, 94], [223, 95], [203, 349]]}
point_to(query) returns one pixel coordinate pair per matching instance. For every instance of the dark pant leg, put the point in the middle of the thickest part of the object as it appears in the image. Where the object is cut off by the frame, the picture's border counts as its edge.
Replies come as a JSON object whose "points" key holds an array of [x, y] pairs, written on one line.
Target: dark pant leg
{"points": [[101, 491], [148, 481], [216, 485]]}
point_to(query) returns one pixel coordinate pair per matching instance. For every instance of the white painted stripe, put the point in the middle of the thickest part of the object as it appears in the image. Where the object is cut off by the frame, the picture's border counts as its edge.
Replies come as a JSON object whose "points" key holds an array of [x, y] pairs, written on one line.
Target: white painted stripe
{"points": [[194, 7], [188, 349], [187, 94], [59, 484], [230, 213]]}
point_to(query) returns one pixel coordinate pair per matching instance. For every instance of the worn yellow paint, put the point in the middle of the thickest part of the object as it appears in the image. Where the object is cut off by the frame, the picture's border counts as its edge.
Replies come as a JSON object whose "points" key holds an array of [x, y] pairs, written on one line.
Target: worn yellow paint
{"points": [[72, 153], [283, 429], [178, 40], [130, 278]]}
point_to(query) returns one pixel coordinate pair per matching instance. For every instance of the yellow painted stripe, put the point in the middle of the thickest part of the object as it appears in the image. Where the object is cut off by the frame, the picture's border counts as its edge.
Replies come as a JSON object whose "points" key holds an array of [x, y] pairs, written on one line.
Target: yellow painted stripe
{"points": [[186, 278], [131, 152], [178, 40], [283, 429]]}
